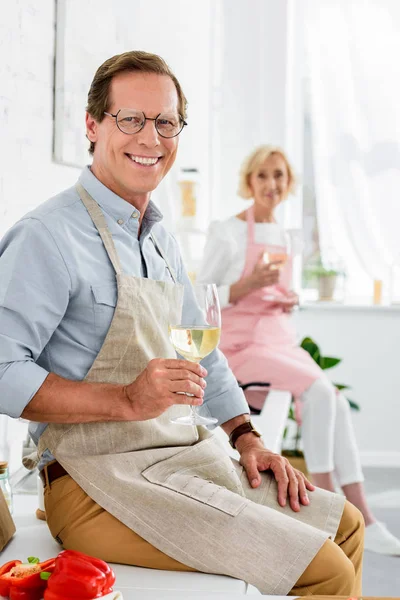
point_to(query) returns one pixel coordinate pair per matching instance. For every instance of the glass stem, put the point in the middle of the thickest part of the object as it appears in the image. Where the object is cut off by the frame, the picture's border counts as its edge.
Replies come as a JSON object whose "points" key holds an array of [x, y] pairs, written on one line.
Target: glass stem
{"points": [[193, 409]]}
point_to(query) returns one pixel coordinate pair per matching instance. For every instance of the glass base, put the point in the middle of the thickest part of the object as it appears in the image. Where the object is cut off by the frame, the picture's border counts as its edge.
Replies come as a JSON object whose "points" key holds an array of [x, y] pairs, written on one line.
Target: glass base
{"points": [[194, 420]]}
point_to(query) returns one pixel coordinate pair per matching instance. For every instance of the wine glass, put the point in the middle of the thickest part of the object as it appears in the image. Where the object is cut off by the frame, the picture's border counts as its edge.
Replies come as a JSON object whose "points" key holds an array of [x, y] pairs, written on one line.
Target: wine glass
{"points": [[279, 253], [196, 336]]}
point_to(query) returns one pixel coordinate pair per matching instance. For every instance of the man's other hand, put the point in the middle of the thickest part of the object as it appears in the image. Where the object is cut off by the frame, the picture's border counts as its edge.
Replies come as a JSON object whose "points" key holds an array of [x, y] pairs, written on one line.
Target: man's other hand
{"points": [[292, 484]]}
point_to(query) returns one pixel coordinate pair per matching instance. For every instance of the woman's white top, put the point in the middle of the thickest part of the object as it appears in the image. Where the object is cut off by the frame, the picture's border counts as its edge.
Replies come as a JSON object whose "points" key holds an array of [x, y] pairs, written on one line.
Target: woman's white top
{"points": [[225, 252]]}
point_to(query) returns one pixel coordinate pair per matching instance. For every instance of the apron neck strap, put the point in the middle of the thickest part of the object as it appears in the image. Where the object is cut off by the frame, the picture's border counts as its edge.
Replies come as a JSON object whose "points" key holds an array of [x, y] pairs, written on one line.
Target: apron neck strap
{"points": [[250, 224], [98, 219], [164, 256]]}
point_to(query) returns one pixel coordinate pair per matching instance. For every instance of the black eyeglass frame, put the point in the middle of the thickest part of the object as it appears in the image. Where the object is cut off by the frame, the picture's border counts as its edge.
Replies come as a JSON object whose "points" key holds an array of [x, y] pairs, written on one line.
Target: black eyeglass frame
{"points": [[167, 137]]}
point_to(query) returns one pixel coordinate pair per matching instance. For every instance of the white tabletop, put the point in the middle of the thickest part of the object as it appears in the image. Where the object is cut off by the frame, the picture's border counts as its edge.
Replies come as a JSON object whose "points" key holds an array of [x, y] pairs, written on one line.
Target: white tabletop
{"points": [[24, 516]]}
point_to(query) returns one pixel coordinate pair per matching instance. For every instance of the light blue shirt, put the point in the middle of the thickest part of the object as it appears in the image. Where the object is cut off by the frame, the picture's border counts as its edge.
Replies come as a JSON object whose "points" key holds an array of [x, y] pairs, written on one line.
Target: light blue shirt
{"points": [[58, 294]]}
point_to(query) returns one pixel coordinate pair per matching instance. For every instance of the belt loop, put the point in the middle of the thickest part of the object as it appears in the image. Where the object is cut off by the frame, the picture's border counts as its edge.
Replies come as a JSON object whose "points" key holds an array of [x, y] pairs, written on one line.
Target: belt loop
{"points": [[46, 477]]}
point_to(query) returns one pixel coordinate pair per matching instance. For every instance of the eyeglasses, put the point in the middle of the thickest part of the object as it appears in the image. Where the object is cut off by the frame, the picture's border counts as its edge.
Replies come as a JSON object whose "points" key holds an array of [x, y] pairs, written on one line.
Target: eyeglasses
{"points": [[132, 121]]}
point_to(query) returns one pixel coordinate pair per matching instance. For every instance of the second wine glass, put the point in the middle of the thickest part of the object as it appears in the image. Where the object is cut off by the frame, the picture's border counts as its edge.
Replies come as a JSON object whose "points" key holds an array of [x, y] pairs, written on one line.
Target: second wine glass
{"points": [[280, 254], [196, 336]]}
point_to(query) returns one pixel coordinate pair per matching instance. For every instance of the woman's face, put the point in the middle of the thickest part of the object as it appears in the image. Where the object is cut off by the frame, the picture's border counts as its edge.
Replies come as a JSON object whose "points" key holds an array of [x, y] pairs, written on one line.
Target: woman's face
{"points": [[269, 182]]}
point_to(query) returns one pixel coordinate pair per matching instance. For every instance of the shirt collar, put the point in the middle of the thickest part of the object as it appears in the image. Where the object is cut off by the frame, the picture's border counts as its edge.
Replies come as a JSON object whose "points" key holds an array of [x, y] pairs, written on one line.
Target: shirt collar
{"points": [[118, 208]]}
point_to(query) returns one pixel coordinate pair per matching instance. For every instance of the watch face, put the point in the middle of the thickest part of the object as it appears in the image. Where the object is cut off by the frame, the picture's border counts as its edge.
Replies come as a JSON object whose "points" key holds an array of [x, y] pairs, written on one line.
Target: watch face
{"points": [[246, 427], [253, 430]]}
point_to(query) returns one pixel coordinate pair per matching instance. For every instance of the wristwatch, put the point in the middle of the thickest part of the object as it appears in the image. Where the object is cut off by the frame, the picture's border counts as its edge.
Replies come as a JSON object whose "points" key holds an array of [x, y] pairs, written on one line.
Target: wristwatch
{"points": [[246, 427]]}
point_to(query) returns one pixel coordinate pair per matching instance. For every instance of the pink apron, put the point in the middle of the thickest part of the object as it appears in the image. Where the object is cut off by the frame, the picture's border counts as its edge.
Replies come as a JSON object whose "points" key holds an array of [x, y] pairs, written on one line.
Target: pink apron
{"points": [[259, 339]]}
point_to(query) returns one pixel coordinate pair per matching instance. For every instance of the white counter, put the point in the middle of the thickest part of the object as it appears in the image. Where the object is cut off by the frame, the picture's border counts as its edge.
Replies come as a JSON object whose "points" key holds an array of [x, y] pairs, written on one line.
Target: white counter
{"points": [[367, 338]]}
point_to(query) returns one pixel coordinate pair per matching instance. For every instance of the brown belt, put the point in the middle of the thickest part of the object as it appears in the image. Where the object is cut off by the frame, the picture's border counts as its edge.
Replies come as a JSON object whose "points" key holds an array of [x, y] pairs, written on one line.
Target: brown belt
{"points": [[51, 472]]}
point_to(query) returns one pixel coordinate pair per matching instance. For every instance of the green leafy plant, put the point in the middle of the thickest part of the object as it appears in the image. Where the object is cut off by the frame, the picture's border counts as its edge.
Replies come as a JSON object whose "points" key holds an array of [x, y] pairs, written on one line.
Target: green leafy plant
{"points": [[324, 362], [317, 270], [320, 271]]}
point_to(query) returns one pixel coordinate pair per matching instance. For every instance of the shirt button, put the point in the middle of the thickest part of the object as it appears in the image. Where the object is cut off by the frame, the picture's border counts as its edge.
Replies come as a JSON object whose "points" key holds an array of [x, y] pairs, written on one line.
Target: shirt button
{"points": [[135, 214], [120, 221]]}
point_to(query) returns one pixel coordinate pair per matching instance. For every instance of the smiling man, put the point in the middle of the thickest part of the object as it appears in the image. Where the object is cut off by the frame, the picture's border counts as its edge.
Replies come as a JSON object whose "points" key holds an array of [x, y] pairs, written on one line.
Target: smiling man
{"points": [[89, 282], [133, 165]]}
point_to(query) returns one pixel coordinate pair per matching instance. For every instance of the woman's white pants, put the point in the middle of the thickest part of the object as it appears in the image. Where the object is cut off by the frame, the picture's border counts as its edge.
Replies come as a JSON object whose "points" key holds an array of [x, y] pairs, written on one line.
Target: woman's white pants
{"points": [[328, 433]]}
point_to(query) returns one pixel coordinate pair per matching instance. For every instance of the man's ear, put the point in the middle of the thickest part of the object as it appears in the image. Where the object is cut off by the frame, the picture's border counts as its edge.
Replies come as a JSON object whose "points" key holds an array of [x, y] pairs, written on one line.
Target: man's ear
{"points": [[91, 128]]}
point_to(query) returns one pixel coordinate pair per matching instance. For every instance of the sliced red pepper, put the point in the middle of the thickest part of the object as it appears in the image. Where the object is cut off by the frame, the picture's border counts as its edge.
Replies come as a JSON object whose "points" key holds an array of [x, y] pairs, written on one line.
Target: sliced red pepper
{"points": [[4, 581], [29, 587], [8, 566], [77, 576], [34, 580]]}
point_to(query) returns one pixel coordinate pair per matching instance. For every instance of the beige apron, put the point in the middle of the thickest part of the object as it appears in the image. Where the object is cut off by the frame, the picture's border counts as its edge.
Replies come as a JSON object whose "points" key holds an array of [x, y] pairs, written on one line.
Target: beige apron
{"points": [[172, 484]]}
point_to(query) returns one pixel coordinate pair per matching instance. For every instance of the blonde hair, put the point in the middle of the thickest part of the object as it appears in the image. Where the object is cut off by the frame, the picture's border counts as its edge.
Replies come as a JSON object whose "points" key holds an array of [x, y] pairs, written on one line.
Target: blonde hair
{"points": [[133, 61], [253, 161]]}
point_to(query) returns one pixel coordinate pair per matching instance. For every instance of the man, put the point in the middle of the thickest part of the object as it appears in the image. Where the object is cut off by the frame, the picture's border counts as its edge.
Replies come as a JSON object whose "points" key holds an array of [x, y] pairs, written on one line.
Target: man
{"points": [[88, 284]]}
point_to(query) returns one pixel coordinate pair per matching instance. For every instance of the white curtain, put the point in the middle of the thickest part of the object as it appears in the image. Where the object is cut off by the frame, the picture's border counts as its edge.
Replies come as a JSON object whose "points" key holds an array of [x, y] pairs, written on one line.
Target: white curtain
{"points": [[353, 50]]}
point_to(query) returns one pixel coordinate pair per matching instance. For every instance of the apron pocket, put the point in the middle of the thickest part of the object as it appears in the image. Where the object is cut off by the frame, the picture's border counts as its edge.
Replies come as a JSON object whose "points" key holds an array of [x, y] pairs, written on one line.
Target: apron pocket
{"points": [[189, 473]]}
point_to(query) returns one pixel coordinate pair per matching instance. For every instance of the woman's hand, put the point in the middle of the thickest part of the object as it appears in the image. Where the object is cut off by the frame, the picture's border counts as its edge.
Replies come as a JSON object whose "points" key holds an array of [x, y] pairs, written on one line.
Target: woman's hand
{"points": [[292, 484], [290, 302], [264, 274]]}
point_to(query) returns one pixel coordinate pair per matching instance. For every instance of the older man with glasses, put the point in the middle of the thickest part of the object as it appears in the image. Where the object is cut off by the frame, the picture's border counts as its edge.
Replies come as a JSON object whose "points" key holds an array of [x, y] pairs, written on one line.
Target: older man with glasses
{"points": [[89, 282]]}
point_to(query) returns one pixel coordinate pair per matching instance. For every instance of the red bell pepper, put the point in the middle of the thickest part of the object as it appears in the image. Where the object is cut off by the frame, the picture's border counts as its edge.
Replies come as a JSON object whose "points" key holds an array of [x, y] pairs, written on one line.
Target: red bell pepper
{"points": [[4, 582], [26, 594], [77, 576], [21, 581]]}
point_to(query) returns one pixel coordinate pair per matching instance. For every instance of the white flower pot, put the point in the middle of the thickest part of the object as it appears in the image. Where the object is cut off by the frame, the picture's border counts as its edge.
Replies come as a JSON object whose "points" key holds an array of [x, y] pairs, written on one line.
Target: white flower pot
{"points": [[326, 287]]}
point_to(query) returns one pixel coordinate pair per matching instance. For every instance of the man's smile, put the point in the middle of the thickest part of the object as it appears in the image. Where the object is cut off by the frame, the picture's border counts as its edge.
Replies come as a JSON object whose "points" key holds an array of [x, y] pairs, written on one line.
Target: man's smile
{"points": [[147, 161]]}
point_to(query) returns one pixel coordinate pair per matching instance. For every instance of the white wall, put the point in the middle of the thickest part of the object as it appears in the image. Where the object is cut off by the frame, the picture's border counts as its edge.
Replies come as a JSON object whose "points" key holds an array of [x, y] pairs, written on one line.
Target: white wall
{"points": [[27, 40], [27, 174], [259, 95], [232, 59]]}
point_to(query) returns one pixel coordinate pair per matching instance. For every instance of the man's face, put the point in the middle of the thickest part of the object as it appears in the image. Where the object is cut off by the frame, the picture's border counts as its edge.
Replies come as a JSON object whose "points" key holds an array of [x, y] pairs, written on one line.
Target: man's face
{"points": [[117, 155]]}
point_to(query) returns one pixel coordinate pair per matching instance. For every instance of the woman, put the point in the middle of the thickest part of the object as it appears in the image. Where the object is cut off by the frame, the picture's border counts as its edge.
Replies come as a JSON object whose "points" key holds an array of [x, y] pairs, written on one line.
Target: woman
{"points": [[246, 257]]}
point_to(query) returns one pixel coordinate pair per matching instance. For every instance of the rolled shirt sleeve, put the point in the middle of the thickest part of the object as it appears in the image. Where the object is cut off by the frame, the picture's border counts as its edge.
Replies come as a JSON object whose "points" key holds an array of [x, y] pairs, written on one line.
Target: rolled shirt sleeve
{"points": [[223, 398], [34, 292]]}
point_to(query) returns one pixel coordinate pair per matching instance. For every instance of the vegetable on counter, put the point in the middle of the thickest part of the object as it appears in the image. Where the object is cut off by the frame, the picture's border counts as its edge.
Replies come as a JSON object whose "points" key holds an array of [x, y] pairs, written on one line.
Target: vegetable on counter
{"points": [[77, 576], [23, 581]]}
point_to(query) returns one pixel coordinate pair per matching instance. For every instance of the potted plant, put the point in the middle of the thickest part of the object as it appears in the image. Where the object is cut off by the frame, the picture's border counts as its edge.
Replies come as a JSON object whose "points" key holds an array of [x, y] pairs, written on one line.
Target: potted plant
{"points": [[325, 277], [292, 444]]}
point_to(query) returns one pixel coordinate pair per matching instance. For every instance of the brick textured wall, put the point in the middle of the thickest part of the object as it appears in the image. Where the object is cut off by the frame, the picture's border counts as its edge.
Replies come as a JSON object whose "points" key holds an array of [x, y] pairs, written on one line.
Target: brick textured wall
{"points": [[27, 174]]}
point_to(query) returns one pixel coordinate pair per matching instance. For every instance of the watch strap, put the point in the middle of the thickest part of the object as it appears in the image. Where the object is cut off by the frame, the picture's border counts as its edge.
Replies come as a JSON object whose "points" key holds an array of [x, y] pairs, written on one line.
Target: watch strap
{"points": [[246, 427]]}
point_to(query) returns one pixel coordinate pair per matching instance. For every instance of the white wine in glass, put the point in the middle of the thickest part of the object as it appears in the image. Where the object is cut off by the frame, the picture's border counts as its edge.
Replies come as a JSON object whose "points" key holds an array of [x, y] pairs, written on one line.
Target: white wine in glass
{"points": [[194, 343], [277, 254], [196, 337], [270, 257]]}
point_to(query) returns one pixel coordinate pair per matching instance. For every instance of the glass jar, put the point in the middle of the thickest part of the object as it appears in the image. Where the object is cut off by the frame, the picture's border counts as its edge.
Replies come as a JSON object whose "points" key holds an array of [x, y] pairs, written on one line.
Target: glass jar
{"points": [[188, 184], [189, 235], [5, 486]]}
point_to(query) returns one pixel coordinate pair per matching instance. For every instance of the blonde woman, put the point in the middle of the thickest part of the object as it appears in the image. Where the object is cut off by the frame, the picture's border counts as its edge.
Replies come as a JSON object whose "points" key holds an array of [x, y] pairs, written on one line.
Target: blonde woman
{"points": [[259, 339]]}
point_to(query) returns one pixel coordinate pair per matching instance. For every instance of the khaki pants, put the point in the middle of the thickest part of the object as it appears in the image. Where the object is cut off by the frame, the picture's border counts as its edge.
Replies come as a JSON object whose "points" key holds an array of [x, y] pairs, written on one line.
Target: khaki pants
{"points": [[78, 523]]}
